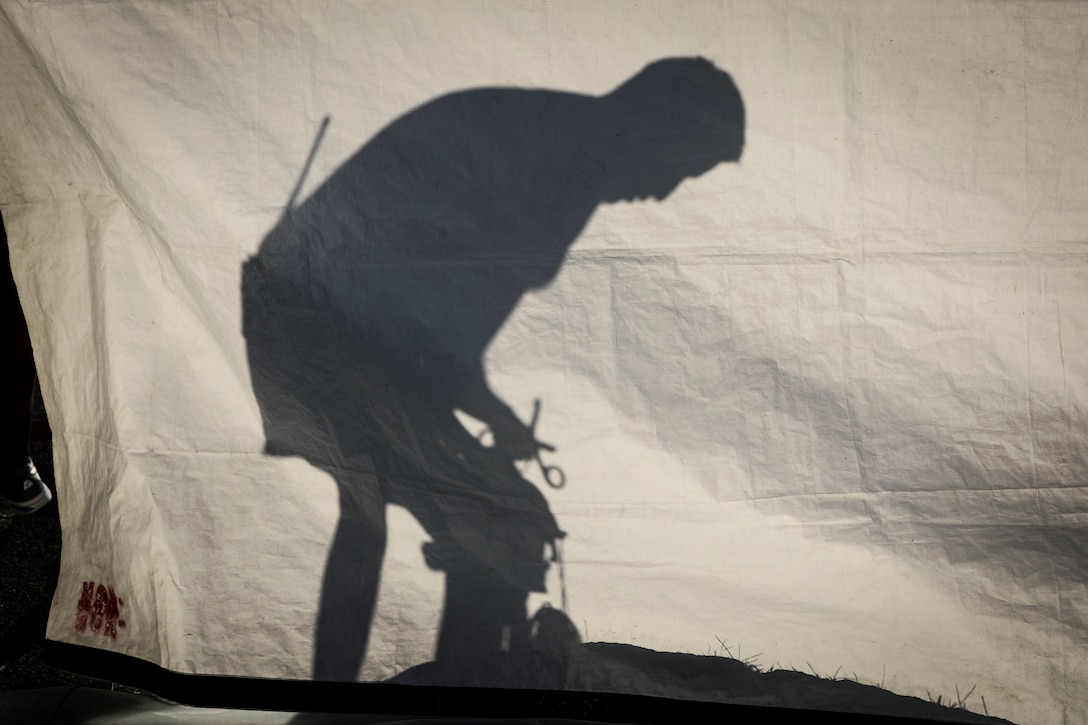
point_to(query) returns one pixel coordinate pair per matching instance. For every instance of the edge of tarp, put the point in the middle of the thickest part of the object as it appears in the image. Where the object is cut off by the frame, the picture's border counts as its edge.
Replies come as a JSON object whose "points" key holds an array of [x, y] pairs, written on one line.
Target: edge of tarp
{"points": [[418, 701]]}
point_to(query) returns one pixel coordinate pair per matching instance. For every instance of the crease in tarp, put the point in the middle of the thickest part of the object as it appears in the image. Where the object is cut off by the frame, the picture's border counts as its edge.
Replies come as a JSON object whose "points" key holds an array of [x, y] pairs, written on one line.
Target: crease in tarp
{"points": [[188, 293]]}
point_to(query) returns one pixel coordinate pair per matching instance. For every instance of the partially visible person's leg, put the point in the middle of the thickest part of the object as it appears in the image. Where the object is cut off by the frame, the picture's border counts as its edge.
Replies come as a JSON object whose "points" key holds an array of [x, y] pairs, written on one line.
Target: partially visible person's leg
{"points": [[20, 486]]}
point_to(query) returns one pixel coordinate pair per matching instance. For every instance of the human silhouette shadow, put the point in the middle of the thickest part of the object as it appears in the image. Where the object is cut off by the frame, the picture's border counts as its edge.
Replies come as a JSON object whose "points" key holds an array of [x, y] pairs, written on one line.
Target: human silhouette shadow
{"points": [[369, 307]]}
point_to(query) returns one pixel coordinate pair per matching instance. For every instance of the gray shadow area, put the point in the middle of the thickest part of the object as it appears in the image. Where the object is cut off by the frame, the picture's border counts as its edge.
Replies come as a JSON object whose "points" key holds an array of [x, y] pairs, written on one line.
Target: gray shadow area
{"points": [[868, 470]]}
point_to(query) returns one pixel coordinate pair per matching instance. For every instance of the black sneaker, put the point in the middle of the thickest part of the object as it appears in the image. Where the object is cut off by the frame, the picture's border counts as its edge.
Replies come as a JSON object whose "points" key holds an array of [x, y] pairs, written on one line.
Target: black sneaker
{"points": [[24, 490]]}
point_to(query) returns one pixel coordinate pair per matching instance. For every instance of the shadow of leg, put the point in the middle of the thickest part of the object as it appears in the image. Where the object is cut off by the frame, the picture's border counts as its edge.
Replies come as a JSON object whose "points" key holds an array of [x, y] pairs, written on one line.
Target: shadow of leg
{"points": [[350, 586], [482, 617]]}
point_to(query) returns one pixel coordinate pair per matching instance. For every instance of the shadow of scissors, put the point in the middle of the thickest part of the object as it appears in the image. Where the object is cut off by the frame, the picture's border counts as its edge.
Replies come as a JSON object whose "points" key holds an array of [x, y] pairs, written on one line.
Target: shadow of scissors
{"points": [[553, 475]]}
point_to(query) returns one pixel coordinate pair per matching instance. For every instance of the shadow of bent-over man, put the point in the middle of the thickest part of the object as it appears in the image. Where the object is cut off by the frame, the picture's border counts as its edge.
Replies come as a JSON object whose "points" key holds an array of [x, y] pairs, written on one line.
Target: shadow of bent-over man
{"points": [[369, 307]]}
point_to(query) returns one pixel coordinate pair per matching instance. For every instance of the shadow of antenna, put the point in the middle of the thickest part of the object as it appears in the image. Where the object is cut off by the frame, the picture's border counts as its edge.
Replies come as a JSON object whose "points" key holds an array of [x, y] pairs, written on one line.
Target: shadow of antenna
{"points": [[306, 167]]}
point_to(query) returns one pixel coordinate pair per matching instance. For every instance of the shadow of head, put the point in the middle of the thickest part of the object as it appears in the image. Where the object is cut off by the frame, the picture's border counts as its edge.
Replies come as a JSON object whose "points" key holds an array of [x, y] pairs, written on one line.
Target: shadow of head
{"points": [[676, 119]]}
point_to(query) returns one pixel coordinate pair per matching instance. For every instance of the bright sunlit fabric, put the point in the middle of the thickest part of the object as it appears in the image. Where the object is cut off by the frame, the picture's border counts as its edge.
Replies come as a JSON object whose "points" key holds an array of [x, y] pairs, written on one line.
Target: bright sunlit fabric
{"points": [[795, 293]]}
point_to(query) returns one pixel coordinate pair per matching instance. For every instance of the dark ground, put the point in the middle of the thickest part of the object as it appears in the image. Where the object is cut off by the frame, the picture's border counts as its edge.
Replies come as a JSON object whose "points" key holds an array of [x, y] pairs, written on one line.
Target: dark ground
{"points": [[30, 556]]}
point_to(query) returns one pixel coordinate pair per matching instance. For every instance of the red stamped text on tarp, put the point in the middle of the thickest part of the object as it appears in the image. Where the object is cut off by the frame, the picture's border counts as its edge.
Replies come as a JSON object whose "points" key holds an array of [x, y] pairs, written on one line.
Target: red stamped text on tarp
{"points": [[99, 609]]}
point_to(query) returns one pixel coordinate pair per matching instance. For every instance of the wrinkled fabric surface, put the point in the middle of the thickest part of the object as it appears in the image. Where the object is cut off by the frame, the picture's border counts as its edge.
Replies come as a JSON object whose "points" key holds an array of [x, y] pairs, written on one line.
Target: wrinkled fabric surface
{"points": [[824, 405]]}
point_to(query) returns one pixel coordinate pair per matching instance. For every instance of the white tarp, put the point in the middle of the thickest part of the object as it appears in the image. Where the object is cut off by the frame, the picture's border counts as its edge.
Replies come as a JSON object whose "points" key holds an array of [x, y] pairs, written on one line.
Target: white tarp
{"points": [[827, 403]]}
